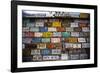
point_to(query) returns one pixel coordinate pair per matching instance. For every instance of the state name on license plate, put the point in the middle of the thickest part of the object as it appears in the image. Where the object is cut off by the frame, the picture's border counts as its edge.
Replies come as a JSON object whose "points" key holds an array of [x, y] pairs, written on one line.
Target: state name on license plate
{"points": [[55, 40]]}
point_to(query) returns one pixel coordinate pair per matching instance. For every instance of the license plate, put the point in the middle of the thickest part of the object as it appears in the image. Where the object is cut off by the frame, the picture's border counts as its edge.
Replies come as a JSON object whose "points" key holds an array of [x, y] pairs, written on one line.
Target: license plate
{"points": [[54, 57], [37, 34], [27, 40], [56, 51], [43, 29], [50, 45], [85, 45], [37, 58], [52, 29], [55, 40], [47, 34], [85, 29], [36, 40], [25, 29], [76, 45], [41, 46], [34, 29], [82, 25], [31, 46], [64, 57], [61, 29], [70, 29], [74, 56], [74, 24], [39, 24], [56, 24], [81, 40], [56, 34], [75, 34], [77, 29], [72, 40], [65, 34], [35, 52], [46, 40], [45, 52], [68, 45]]}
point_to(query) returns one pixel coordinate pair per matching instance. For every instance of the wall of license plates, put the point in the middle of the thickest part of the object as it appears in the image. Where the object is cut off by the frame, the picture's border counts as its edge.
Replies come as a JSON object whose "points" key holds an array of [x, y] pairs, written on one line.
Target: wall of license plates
{"points": [[52, 36]]}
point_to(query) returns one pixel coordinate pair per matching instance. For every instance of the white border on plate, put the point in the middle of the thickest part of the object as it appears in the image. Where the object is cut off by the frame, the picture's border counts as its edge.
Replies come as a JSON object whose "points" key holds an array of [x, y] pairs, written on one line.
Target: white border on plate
{"points": [[20, 64]]}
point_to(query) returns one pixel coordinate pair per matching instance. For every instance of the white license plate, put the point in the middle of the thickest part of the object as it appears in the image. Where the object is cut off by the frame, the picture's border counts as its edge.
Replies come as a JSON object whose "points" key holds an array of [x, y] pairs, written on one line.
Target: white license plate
{"points": [[64, 56], [34, 29], [35, 52], [69, 29], [55, 40], [81, 40], [56, 51], [37, 34], [52, 29], [85, 29], [75, 34], [74, 24]]}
